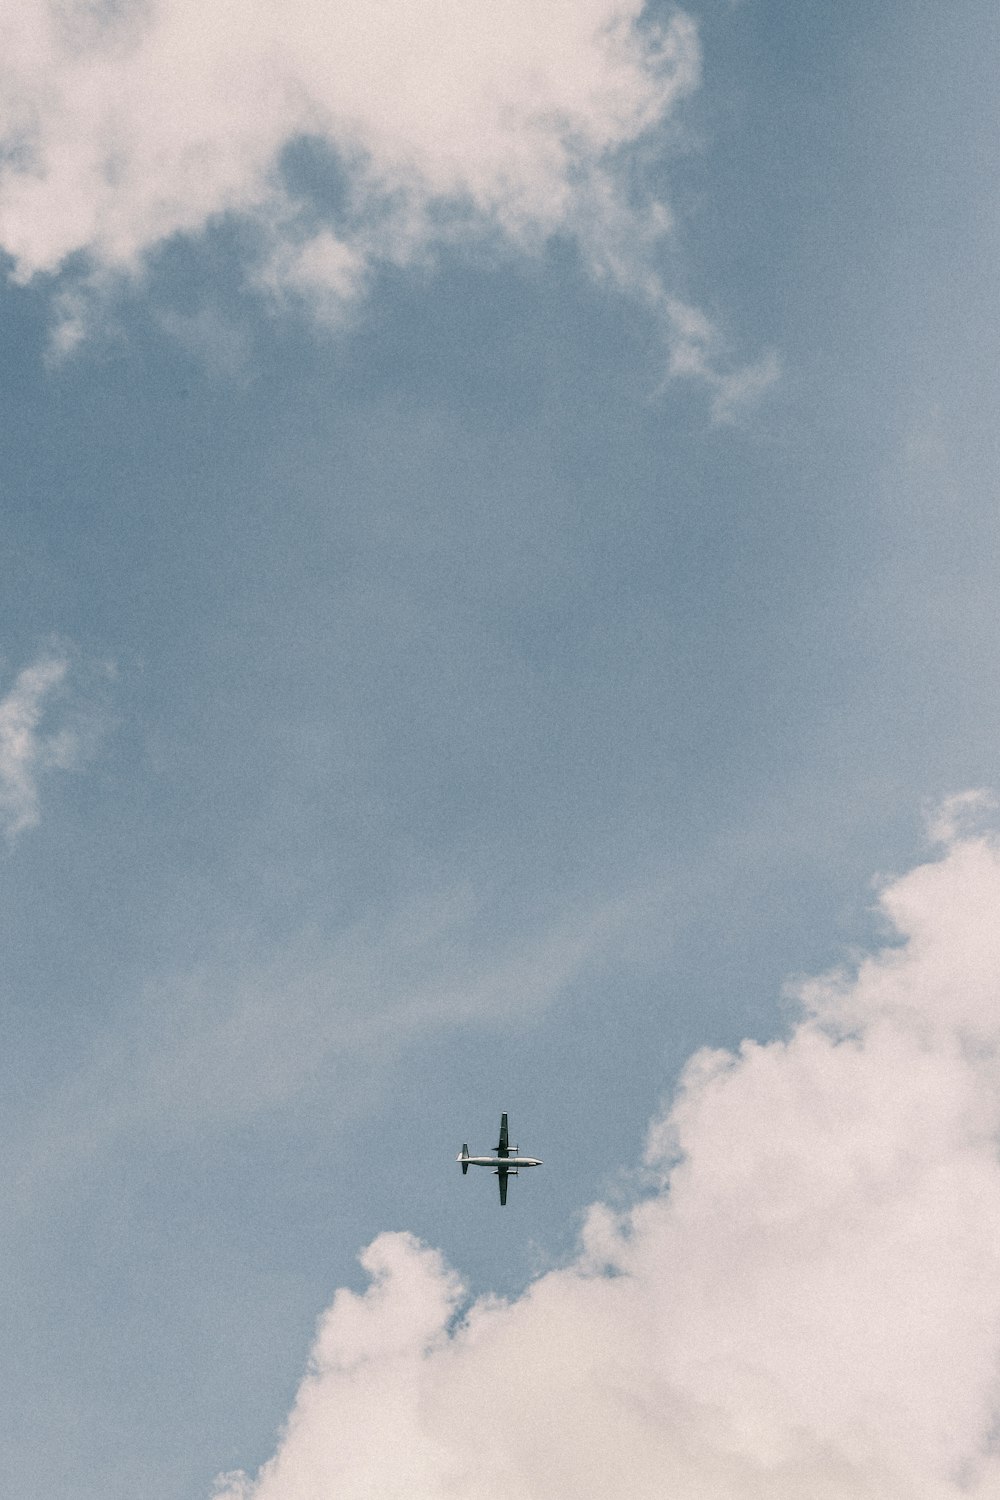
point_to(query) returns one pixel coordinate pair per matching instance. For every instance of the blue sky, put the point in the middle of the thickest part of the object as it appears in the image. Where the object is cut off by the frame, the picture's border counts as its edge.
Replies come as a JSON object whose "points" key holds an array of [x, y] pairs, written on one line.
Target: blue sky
{"points": [[486, 592]]}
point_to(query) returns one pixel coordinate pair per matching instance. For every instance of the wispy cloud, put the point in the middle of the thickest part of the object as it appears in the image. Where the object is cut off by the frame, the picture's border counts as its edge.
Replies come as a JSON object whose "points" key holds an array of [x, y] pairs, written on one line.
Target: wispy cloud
{"points": [[431, 125], [964, 812], [40, 731], [217, 1044], [807, 1302], [699, 351]]}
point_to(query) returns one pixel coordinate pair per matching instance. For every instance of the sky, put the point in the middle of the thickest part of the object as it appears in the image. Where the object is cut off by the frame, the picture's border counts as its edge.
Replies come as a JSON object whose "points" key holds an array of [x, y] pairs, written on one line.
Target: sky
{"points": [[498, 612]]}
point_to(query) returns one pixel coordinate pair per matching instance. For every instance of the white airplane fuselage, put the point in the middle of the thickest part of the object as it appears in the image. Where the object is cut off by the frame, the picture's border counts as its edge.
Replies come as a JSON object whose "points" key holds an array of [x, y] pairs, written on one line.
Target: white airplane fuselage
{"points": [[510, 1162]]}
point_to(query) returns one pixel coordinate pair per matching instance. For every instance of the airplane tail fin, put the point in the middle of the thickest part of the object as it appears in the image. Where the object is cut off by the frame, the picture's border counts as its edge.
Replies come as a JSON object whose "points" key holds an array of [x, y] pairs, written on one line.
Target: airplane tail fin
{"points": [[464, 1159]]}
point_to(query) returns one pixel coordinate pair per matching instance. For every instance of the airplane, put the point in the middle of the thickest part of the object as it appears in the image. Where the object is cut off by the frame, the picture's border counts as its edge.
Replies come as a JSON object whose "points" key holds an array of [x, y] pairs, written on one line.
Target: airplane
{"points": [[503, 1163]]}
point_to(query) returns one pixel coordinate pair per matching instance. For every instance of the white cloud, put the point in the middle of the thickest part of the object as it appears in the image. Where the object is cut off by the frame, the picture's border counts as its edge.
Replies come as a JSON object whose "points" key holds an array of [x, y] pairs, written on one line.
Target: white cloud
{"points": [[961, 813], [33, 740], [126, 122], [807, 1304]]}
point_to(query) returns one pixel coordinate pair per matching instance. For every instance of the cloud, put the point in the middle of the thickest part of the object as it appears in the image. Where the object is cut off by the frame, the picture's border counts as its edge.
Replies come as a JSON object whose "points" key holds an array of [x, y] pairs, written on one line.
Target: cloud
{"points": [[699, 351], [125, 123], [221, 1042], [231, 1038], [806, 1303], [961, 813], [40, 731]]}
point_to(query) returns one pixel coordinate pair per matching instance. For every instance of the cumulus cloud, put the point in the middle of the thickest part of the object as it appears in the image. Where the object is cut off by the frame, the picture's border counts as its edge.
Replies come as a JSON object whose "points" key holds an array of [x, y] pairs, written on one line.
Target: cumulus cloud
{"points": [[806, 1303], [36, 736], [124, 123]]}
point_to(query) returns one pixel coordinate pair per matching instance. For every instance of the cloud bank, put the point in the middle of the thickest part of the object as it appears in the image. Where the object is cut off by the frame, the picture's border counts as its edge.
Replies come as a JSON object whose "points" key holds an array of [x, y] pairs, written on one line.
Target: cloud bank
{"points": [[124, 123], [808, 1303], [35, 738]]}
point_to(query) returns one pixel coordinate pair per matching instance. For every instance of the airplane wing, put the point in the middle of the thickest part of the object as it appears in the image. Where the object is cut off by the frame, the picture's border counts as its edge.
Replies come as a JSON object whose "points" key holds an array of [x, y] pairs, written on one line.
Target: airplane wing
{"points": [[502, 1148], [502, 1176]]}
